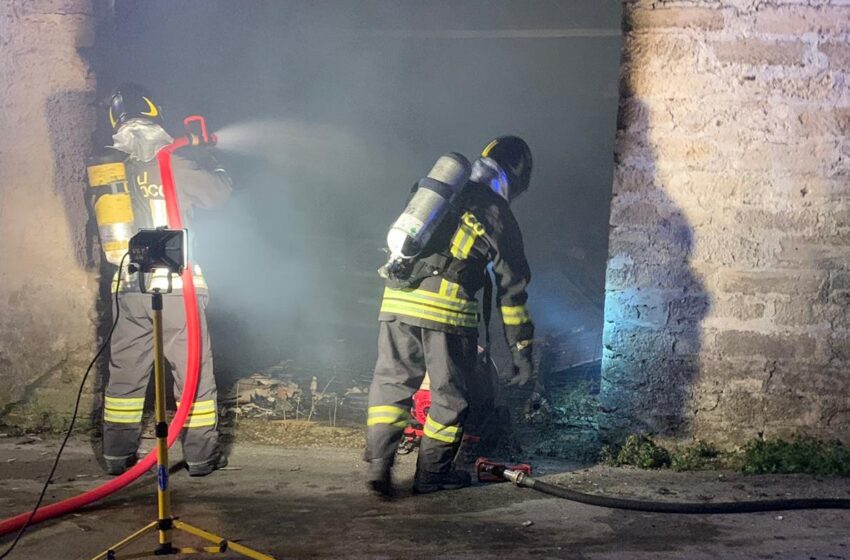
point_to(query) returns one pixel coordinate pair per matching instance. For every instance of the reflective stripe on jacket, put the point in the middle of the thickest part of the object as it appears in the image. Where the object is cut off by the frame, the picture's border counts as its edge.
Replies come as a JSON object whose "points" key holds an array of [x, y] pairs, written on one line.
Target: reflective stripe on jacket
{"points": [[485, 233], [199, 182]]}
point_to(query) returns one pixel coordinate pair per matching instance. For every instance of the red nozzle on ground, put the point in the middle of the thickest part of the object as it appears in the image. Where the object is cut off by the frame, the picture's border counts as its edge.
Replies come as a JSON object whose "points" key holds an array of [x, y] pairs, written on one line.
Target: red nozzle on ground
{"points": [[491, 471]]}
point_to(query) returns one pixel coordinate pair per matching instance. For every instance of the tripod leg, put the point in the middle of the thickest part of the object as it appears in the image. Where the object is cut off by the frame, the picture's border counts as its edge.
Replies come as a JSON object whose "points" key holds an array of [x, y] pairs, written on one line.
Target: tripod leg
{"points": [[163, 494], [129, 540], [224, 544]]}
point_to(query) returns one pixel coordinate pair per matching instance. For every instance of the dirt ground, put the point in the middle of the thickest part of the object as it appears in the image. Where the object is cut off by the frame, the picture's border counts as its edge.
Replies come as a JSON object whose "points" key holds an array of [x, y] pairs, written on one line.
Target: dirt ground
{"points": [[310, 502]]}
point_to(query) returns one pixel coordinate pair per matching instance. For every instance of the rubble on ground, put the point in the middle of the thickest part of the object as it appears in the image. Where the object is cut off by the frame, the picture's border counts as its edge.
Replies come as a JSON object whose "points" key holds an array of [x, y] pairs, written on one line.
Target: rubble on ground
{"points": [[278, 393]]}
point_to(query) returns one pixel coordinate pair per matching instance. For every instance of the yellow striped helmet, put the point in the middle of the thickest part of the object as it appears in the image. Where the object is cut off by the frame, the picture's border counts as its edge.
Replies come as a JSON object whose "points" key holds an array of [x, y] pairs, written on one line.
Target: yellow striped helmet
{"points": [[132, 101]]}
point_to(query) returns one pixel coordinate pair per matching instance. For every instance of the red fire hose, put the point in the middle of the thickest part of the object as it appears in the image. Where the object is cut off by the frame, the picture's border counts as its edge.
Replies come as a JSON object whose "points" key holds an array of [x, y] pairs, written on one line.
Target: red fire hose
{"points": [[193, 326]]}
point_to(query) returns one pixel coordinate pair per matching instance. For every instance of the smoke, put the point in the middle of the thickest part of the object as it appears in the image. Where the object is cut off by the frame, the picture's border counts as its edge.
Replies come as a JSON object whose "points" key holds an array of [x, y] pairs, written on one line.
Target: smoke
{"points": [[337, 108]]}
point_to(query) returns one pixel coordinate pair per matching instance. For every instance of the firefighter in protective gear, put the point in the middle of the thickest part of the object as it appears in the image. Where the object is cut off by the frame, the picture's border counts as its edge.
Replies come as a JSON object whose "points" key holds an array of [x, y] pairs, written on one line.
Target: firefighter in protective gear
{"points": [[432, 323], [138, 136]]}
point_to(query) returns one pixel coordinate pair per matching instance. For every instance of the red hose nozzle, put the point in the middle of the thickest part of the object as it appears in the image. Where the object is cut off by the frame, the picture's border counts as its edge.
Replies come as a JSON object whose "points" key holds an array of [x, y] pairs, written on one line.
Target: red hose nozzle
{"points": [[196, 131], [491, 471]]}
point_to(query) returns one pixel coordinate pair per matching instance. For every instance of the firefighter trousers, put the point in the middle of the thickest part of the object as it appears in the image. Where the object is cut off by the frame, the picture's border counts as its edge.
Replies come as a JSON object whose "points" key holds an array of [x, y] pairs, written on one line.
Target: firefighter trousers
{"points": [[405, 353], [130, 371]]}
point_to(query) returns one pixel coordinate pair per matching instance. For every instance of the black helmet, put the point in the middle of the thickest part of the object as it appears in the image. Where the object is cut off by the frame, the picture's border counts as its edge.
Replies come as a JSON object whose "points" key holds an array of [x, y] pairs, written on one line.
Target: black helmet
{"points": [[513, 155], [132, 101]]}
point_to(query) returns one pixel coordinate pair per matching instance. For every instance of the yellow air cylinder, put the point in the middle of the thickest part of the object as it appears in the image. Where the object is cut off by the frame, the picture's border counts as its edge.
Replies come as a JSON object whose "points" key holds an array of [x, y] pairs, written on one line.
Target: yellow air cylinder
{"points": [[113, 207]]}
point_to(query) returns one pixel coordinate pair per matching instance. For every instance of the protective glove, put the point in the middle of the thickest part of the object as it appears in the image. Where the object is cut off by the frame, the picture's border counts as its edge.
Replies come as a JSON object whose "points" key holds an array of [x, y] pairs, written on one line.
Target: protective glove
{"points": [[522, 374], [523, 365]]}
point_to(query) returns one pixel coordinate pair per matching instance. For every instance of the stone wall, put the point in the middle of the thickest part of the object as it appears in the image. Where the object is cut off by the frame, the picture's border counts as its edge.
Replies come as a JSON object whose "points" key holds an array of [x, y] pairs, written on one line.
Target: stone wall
{"points": [[48, 284], [728, 280]]}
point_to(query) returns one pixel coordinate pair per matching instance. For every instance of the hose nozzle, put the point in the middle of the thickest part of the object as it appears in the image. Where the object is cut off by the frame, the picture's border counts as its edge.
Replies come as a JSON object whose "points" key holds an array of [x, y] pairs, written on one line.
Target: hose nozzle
{"points": [[196, 131], [490, 471], [520, 478]]}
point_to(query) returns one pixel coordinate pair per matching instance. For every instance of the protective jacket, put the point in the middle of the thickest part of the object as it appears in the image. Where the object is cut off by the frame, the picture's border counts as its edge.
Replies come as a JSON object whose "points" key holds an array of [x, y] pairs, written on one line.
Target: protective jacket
{"points": [[199, 182], [452, 270]]}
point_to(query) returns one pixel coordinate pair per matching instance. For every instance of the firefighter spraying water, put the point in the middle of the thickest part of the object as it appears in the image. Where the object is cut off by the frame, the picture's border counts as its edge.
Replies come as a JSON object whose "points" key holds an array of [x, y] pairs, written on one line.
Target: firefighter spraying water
{"points": [[128, 193], [129, 196]]}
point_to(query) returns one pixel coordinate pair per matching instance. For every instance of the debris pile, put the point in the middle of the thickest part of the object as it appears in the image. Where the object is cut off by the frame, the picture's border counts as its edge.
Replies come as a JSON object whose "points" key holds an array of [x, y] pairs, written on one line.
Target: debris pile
{"points": [[261, 396], [279, 394]]}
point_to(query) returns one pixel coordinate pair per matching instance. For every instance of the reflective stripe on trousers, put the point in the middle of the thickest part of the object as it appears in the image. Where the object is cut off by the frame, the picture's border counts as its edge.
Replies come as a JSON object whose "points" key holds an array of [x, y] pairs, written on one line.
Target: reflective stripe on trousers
{"points": [[130, 371], [202, 414], [440, 432], [392, 415], [123, 410], [515, 314], [404, 353]]}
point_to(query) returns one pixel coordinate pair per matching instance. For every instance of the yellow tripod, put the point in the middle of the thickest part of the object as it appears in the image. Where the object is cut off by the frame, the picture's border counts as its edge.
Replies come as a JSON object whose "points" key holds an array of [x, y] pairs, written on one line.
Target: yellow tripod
{"points": [[165, 523]]}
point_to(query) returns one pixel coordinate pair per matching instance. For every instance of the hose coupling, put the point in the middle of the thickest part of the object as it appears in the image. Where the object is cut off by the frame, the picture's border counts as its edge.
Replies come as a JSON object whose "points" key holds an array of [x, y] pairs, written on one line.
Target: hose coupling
{"points": [[517, 477]]}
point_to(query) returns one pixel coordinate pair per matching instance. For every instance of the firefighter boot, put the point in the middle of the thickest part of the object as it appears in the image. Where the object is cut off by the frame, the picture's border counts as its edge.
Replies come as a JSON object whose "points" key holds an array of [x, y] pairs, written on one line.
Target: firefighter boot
{"points": [[117, 467], [434, 468], [427, 482], [379, 478], [206, 468]]}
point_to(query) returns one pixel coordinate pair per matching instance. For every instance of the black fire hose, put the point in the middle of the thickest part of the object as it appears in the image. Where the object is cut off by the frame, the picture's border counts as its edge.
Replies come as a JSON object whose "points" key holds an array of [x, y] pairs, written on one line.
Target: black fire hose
{"points": [[524, 481]]}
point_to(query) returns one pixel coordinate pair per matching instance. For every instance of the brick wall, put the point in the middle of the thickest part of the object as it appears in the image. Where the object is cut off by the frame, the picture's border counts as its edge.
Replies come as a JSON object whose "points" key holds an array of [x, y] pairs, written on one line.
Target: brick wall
{"points": [[728, 279], [47, 285]]}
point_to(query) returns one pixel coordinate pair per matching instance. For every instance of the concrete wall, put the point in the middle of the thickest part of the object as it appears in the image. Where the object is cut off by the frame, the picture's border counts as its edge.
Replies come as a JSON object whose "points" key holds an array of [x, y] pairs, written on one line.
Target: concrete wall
{"points": [[48, 286], [728, 279]]}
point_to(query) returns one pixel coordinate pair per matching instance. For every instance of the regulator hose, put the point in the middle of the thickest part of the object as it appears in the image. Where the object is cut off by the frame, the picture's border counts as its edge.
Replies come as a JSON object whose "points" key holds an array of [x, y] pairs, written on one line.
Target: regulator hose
{"points": [[190, 303], [524, 481]]}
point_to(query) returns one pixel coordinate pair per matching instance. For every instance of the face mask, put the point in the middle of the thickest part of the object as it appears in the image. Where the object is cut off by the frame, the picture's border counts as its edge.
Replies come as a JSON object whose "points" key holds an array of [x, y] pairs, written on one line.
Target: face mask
{"points": [[487, 172], [141, 139]]}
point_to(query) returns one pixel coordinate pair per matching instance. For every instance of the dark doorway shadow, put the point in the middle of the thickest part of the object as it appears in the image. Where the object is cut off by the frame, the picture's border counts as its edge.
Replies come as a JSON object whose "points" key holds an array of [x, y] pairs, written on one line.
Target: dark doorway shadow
{"points": [[655, 300]]}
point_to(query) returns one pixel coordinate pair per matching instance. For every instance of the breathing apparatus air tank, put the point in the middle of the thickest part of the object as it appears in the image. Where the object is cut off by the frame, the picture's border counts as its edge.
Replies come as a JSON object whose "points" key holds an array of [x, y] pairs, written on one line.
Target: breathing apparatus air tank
{"points": [[113, 207], [426, 210]]}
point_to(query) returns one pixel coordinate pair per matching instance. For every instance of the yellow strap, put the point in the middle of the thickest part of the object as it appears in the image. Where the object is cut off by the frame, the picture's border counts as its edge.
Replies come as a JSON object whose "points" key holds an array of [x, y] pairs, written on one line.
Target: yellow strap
{"points": [[449, 289], [421, 296], [441, 427], [375, 420], [135, 403], [444, 308], [123, 410], [111, 209], [440, 432], [421, 312], [515, 314], [387, 414], [122, 417], [387, 409], [470, 310], [201, 420], [202, 414], [106, 173], [462, 243], [464, 238], [201, 407]]}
